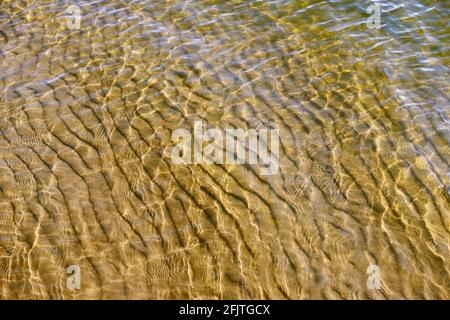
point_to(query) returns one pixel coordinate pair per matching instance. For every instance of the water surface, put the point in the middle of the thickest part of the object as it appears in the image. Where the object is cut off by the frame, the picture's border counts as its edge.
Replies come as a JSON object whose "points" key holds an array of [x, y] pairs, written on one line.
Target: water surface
{"points": [[86, 178]]}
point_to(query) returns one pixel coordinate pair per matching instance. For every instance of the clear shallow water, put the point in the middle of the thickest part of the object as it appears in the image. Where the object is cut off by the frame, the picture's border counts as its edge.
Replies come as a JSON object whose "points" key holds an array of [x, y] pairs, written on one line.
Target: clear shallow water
{"points": [[86, 176]]}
